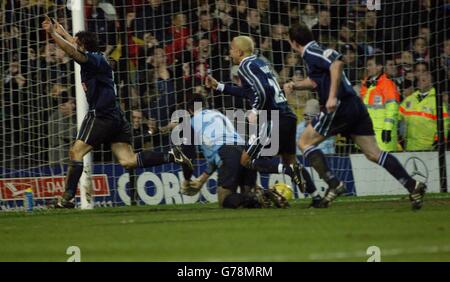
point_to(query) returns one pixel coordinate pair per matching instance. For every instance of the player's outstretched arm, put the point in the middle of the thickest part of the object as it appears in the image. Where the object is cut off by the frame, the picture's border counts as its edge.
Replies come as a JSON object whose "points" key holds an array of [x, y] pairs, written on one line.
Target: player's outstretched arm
{"points": [[65, 45], [225, 88], [306, 84], [61, 31], [336, 70]]}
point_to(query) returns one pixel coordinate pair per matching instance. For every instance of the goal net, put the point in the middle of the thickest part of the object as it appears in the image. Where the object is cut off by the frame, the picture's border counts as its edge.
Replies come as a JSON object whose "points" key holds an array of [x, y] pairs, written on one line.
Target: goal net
{"points": [[161, 52]]}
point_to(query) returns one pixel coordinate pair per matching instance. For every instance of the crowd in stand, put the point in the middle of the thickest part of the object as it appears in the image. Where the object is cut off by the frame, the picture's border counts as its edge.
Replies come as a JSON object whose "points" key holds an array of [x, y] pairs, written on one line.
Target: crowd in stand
{"points": [[161, 52]]}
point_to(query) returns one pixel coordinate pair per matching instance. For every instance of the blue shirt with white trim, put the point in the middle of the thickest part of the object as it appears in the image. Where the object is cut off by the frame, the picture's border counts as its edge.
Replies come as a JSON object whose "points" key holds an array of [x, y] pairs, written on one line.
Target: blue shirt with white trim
{"points": [[318, 62], [98, 84], [260, 87]]}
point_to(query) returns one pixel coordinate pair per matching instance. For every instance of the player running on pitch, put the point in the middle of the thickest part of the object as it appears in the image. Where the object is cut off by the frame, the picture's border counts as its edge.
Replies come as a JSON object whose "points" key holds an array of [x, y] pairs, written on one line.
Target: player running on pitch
{"points": [[344, 113], [105, 122]]}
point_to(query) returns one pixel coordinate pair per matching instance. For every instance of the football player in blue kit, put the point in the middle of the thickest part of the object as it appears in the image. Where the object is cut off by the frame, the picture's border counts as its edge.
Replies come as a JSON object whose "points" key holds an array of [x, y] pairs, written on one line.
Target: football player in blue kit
{"points": [[260, 87], [105, 123], [342, 112]]}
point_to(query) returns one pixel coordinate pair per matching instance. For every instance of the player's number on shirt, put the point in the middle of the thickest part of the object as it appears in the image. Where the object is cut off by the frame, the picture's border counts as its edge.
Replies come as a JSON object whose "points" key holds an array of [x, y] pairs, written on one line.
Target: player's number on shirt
{"points": [[279, 96]]}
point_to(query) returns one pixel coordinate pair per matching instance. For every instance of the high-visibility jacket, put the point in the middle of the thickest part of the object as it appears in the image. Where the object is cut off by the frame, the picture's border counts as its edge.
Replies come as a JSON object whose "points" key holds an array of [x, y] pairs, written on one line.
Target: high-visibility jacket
{"points": [[420, 118], [382, 101]]}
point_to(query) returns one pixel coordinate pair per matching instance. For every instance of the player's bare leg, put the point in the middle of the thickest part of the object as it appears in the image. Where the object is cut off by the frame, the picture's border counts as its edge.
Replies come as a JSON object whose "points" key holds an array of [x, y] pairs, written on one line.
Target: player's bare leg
{"points": [[76, 153], [307, 143], [129, 160], [125, 155], [370, 149]]}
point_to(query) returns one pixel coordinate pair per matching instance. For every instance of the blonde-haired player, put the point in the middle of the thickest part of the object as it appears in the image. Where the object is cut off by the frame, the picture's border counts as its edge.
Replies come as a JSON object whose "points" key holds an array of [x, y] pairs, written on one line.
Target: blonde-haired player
{"points": [[261, 89]]}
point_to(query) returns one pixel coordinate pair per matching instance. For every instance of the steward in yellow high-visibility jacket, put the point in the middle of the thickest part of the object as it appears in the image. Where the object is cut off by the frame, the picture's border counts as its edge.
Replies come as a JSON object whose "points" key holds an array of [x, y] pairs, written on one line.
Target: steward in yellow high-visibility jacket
{"points": [[381, 97], [418, 112]]}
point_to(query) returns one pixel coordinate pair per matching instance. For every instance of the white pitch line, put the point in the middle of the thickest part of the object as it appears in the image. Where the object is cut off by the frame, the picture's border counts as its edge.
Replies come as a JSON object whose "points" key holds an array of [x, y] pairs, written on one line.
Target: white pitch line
{"points": [[383, 253], [330, 256]]}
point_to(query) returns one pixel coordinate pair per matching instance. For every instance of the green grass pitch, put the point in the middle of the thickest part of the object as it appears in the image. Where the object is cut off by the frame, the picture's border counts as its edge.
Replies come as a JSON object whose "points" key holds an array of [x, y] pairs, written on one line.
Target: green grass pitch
{"points": [[203, 232]]}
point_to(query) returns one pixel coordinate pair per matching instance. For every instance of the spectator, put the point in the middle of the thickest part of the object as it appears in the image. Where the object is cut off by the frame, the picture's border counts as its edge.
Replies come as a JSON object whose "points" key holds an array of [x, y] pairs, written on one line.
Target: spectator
{"points": [[391, 70], [152, 18], [405, 63], [430, 14], [13, 84], [202, 63], [312, 109], [239, 12], [420, 50], [161, 108], [293, 14], [223, 11], [418, 115], [356, 8], [351, 63], [102, 21], [381, 97], [203, 7], [419, 69], [425, 33], [253, 28], [347, 34], [309, 15], [286, 73], [280, 46], [221, 8], [178, 34], [62, 129], [145, 52], [263, 7], [208, 28], [226, 22], [323, 27], [337, 11], [141, 136], [443, 63], [49, 68], [368, 35], [278, 11], [409, 84], [13, 78]]}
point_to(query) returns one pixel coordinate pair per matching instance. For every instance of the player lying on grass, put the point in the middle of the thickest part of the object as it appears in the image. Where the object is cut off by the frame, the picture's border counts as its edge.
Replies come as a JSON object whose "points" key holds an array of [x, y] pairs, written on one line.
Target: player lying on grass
{"points": [[222, 147], [344, 113], [261, 88], [105, 122]]}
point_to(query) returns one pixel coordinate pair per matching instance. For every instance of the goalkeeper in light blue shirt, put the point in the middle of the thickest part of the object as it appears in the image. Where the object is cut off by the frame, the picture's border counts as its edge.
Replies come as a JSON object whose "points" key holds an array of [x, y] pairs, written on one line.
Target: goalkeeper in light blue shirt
{"points": [[213, 131], [223, 147]]}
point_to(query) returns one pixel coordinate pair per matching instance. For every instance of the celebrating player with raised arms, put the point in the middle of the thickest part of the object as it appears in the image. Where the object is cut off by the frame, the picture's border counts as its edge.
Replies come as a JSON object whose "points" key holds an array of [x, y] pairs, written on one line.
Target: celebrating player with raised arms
{"points": [[105, 122]]}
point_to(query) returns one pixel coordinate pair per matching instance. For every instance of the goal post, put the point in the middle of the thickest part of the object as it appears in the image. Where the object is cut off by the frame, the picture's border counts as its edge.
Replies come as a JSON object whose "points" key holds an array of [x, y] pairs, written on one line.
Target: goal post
{"points": [[85, 184]]}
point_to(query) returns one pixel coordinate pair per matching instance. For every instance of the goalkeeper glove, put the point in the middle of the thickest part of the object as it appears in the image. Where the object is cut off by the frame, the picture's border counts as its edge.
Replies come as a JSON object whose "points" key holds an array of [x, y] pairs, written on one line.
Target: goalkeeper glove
{"points": [[188, 189]]}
